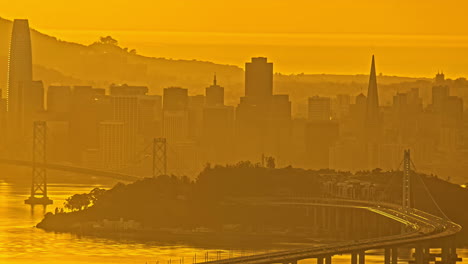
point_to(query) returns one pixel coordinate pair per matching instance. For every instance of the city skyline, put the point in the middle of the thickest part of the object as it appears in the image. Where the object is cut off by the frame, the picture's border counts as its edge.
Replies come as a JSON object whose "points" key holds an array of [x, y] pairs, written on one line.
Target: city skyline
{"points": [[110, 156]]}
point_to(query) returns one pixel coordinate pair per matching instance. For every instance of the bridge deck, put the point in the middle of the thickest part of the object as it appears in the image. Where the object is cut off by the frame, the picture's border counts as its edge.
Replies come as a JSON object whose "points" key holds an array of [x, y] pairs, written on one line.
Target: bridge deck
{"points": [[423, 227]]}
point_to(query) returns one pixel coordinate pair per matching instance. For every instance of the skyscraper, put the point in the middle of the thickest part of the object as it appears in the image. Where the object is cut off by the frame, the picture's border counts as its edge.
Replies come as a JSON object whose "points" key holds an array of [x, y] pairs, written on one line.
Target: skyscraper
{"points": [[372, 111], [214, 94], [372, 125], [59, 99], [112, 144], [319, 108], [175, 114], [440, 94], [19, 79], [259, 79]]}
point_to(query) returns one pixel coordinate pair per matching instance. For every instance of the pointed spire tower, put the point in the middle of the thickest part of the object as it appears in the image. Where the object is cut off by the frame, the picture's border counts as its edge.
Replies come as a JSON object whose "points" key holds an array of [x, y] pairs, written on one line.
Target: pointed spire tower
{"points": [[214, 94], [372, 111]]}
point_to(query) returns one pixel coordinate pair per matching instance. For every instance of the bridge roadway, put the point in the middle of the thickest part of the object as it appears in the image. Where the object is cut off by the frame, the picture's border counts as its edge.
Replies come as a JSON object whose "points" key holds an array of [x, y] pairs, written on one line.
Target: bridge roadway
{"points": [[75, 169], [422, 227]]}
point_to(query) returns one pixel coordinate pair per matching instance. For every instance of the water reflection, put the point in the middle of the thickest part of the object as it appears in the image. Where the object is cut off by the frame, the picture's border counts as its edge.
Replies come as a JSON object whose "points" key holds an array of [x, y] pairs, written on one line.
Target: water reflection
{"points": [[21, 242]]}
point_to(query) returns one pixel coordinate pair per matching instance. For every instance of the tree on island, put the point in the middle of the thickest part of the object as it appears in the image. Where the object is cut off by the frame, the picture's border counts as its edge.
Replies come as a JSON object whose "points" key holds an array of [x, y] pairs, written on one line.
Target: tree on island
{"points": [[78, 202], [109, 40]]}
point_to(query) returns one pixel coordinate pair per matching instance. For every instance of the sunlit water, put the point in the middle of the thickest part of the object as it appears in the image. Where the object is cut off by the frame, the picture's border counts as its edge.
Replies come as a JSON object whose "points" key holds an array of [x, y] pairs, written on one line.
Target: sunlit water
{"points": [[21, 242]]}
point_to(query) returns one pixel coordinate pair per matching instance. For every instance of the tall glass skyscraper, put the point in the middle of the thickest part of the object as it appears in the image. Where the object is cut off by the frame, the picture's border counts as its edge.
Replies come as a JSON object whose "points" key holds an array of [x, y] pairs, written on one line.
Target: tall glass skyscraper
{"points": [[19, 101]]}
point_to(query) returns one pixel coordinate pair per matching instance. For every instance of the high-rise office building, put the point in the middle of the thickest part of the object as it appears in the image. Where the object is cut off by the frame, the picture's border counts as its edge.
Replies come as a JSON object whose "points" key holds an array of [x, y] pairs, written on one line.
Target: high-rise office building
{"points": [[340, 106], [20, 79], [195, 108], [217, 131], [59, 99], [319, 138], [259, 79], [127, 90], [37, 96], [175, 126], [214, 94], [3, 120], [125, 110], [175, 114], [320, 132], [254, 112], [277, 135], [319, 108], [440, 94], [372, 124], [150, 121], [372, 105], [89, 106], [112, 144], [175, 98]]}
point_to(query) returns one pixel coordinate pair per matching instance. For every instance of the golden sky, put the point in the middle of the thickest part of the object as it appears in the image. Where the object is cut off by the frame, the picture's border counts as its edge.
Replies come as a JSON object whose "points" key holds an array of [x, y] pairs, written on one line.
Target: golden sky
{"points": [[409, 37], [305, 16]]}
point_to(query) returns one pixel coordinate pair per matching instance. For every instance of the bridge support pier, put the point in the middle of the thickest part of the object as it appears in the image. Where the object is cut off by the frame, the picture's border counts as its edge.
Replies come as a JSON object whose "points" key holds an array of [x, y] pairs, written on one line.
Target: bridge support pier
{"points": [[338, 217], [394, 255], [445, 254], [319, 260], [362, 257], [387, 254], [315, 219], [328, 259], [449, 252], [427, 254], [419, 255], [354, 258]]}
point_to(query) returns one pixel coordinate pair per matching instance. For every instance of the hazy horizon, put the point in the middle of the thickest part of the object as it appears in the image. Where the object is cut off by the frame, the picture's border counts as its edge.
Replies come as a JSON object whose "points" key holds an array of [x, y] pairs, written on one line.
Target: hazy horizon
{"points": [[309, 38], [322, 50]]}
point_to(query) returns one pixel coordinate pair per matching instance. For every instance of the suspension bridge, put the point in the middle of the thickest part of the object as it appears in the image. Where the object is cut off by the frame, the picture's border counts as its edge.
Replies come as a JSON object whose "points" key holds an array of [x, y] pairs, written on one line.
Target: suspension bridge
{"points": [[365, 225]]}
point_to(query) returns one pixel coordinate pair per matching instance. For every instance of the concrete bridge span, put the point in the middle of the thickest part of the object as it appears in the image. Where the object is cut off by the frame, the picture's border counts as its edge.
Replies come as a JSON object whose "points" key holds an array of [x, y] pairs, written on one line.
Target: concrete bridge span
{"points": [[419, 230]]}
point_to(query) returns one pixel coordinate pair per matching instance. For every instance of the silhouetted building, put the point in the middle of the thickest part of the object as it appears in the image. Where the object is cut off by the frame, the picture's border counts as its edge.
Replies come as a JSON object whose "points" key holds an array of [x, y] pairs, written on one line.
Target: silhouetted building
{"points": [[175, 98], [195, 109], [175, 114], [150, 121], [37, 97], [340, 106], [126, 110], [373, 121], [319, 137], [59, 100], [175, 125], [319, 108], [112, 144], [218, 127], [127, 90], [277, 135], [259, 80], [214, 95], [19, 95], [440, 78], [89, 107], [440, 94], [373, 124], [3, 120]]}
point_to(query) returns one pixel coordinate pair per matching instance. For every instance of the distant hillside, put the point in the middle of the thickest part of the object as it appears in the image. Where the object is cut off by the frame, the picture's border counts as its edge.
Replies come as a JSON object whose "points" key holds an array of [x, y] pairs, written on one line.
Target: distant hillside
{"points": [[100, 65], [60, 62]]}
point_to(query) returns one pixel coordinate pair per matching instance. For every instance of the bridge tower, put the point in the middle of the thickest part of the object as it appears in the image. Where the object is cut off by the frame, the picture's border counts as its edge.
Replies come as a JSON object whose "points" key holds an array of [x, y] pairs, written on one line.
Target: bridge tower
{"points": [[39, 172], [159, 157], [406, 181]]}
